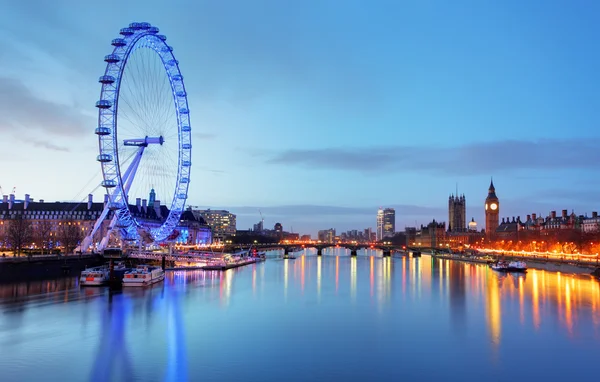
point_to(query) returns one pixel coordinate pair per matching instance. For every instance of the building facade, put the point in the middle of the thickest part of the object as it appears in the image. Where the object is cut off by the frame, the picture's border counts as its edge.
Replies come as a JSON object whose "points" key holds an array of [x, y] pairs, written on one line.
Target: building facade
{"points": [[379, 229], [45, 220], [457, 213], [221, 222], [389, 222], [492, 211], [326, 235]]}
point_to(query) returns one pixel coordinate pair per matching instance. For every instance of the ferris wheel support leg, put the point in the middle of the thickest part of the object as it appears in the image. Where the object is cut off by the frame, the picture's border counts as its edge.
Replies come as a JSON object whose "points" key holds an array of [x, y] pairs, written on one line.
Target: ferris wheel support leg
{"points": [[104, 241], [131, 170], [128, 178]]}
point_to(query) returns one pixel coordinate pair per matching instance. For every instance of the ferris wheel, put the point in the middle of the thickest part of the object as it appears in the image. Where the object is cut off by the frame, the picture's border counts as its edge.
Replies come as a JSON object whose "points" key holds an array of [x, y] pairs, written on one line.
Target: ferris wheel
{"points": [[144, 134]]}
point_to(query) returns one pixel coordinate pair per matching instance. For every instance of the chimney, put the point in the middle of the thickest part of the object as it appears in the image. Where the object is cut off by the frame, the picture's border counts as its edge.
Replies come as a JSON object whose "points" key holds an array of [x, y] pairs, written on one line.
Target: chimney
{"points": [[157, 208], [90, 201], [594, 214], [534, 216], [11, 201], [553, 214], [144, 207], [564, 214], [513, 219], [27, 200], [502, 220], [5, 199], [528, 217], [105, 200], [138, 204]]}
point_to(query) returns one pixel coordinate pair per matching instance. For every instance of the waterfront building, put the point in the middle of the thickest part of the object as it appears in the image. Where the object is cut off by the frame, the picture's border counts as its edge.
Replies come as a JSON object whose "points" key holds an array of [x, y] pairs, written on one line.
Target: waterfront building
{"points": [[327, 235], [492, 211], [379, 232], [431, 235], [305, 238], [258, 227], [222, 222], [389, 222], [457, 213], [47, 218], [591, 224]]}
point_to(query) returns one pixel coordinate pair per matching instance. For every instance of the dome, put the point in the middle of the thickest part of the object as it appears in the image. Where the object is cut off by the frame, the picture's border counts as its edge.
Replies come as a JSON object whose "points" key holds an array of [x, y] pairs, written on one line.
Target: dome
{"points": [[278, 227], [472, 225]]}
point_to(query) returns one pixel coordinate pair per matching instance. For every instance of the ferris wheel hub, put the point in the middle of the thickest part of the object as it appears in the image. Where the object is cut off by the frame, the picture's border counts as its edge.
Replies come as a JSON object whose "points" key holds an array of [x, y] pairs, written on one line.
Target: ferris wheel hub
{"points": [[139, 142]]}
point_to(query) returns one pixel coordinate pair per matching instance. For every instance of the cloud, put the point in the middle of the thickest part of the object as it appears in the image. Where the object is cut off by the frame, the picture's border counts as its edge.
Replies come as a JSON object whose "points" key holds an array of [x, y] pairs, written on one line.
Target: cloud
{"points": [[47, 145], [20, 109], [468, 159]]}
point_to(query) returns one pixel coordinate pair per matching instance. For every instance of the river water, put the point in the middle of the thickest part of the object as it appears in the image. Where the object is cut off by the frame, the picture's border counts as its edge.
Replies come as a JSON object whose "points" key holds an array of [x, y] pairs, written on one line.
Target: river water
{"points": [[329, 318]]}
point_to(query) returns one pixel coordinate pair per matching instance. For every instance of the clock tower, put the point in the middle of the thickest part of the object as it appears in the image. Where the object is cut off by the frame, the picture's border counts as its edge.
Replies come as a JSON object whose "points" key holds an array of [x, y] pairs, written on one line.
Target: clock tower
{"points": [[492, 211]]}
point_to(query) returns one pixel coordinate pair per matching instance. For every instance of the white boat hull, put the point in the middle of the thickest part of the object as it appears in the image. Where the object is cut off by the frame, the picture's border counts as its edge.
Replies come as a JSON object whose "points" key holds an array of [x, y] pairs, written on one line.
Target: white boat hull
{"points": [[94, 282], [142, 282]]}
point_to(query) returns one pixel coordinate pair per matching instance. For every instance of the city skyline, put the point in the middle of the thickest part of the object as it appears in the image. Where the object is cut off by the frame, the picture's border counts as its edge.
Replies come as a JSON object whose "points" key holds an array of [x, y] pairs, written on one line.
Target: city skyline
{"points": [[325, 104]]}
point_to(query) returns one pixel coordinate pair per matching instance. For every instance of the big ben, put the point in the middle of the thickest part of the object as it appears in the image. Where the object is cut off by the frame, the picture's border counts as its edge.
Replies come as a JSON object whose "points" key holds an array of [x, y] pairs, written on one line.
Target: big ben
{"points": [[492, 211]]}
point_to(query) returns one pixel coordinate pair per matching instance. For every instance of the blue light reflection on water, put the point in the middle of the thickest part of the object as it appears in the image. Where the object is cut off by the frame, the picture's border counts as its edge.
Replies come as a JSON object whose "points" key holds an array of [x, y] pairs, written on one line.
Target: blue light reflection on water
{"points": [[313, 318]]}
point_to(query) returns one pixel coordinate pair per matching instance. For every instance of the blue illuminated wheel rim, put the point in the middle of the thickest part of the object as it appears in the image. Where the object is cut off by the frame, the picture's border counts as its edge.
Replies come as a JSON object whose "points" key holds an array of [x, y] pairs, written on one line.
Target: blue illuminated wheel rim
{"points": [[136, 103]]}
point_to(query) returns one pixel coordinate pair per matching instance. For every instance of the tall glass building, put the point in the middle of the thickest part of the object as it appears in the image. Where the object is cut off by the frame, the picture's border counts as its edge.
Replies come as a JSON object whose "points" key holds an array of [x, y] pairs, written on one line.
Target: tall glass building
{"points": [[386, 223]]}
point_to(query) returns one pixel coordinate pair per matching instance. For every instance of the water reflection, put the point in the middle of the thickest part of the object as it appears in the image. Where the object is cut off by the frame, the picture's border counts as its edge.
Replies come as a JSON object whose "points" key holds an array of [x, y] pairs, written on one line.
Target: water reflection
{"points": [[150, 334], [353, 261]]}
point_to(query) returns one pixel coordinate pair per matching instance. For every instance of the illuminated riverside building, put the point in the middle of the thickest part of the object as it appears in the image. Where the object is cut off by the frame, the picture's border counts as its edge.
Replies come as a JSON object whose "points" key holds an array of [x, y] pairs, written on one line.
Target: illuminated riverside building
{"points": [[492, 211], [457, 213], [326, 235], [386, 223], [389, 222], [51, 215], [379, 232], [222, 223]]}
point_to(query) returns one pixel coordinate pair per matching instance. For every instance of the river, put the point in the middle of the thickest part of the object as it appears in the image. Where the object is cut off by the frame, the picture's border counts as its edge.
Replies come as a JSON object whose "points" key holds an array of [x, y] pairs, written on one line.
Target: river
{"points": [[327, 318]]}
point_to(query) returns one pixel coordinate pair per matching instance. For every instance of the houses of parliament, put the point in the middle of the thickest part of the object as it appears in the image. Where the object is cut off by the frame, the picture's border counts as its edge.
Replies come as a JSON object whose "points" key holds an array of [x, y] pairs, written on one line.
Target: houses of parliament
{"points": [[457, 213]]}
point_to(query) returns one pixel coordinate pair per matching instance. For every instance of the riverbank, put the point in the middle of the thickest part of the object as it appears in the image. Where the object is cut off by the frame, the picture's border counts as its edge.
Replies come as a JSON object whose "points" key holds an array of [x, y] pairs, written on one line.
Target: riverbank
{"points": [[224, 267], [547, 265], [38, 268]]}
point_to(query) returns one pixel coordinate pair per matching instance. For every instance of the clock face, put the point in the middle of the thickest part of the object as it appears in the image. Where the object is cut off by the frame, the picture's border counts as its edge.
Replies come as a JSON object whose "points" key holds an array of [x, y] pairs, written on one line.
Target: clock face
{"points": [[486, 206], [494, 206]]}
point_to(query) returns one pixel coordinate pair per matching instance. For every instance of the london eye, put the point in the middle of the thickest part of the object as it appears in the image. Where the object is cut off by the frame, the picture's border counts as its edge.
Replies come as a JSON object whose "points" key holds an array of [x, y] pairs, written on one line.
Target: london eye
{"points": [[144, 134]]}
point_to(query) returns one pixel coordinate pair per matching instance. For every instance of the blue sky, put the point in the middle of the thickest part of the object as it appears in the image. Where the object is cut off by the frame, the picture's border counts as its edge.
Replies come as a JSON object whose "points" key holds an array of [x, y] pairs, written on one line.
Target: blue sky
{"points": [[318, 112]]}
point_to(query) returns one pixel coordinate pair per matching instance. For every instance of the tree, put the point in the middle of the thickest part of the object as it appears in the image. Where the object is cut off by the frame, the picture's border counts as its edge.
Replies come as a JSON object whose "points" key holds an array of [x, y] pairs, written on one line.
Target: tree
{"points": [[3, 228], [69, 235], [43, 232], [18, 233]]}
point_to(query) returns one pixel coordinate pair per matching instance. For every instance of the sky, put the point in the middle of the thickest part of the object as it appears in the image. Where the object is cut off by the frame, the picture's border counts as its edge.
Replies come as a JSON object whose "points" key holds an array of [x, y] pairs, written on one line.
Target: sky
{"points": [[317, 113]]}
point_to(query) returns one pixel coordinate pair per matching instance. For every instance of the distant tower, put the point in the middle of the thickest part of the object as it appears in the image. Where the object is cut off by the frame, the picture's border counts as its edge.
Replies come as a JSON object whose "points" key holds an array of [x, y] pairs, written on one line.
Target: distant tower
{"points": [[152, 197], [457, 213], [492, 211], [379, 232]]}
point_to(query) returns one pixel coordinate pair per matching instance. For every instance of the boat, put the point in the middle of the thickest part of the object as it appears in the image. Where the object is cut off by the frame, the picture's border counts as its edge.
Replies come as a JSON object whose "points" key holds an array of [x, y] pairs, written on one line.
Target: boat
{"points": [[512, 266], [95, 276], [143, 275]]}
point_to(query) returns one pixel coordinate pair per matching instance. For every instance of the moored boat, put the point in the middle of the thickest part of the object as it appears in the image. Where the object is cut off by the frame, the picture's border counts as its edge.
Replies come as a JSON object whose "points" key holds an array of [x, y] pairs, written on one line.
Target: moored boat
{"points": [[95, 276], [143, 275], [512, 266]]}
